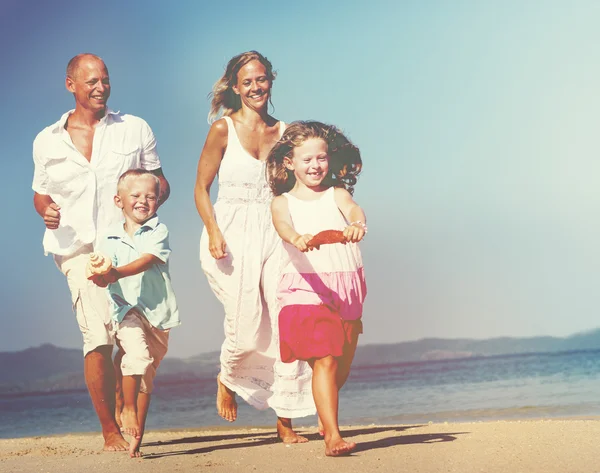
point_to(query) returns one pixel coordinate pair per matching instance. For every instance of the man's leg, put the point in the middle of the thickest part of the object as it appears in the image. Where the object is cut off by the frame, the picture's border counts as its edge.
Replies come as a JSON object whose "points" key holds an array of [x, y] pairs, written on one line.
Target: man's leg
{"points": [[100, 380], [92, 312]]}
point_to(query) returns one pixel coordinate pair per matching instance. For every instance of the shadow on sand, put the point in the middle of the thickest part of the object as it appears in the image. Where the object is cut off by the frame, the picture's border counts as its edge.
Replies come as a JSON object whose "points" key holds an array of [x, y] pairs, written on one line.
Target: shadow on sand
{"points": [[257, 439]]}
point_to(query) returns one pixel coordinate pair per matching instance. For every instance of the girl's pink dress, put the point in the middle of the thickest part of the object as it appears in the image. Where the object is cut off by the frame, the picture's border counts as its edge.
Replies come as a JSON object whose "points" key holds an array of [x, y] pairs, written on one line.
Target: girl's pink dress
{"points": [[321, 291]]}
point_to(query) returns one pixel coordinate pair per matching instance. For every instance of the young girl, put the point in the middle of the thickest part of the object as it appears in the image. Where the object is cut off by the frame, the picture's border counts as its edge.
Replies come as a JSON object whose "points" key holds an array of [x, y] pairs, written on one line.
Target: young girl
{"points": [[312, 171]]}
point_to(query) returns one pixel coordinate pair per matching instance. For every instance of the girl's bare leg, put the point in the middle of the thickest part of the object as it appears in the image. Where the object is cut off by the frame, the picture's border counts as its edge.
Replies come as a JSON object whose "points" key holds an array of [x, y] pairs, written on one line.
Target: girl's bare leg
{"points": [[343, 370], [325, 393]]}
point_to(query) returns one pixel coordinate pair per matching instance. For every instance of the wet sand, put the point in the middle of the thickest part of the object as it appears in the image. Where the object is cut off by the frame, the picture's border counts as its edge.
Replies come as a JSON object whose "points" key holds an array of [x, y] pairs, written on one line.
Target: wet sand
{"points": [[527, 446]]}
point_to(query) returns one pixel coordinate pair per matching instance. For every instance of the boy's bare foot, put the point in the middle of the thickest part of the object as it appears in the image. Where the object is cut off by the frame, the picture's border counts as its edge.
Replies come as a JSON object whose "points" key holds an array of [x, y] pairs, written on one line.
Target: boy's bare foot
{"points": [[321, 428], [134, 447], [286, 433], [114, 442], [130, 422], [226, 403], [338, 447]]}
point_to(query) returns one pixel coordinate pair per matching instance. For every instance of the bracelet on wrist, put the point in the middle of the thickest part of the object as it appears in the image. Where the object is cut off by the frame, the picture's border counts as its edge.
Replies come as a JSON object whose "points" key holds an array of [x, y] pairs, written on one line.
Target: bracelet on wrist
{"points": [[360, 224]]}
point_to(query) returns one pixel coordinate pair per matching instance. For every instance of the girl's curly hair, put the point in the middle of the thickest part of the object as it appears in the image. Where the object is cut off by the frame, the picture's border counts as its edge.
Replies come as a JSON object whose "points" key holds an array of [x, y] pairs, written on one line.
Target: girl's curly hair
{"points": [[345, 162], [224, 101]]}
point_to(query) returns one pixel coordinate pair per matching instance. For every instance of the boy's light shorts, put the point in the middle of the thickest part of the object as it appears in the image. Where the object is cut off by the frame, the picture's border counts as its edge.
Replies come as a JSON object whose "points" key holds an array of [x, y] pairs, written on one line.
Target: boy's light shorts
{"points": [[144, 345], [90, 302]]}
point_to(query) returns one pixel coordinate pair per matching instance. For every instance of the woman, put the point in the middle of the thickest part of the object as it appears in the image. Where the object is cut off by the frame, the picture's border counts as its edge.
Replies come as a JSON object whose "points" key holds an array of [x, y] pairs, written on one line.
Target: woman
{"points": [[240, 250]]}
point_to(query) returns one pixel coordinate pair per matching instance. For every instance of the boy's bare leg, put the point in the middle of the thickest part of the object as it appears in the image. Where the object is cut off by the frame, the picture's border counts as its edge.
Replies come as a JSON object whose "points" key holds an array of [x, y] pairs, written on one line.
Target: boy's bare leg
{"points": [[100, 380], [143, 404], [118, 385], [325, 393], [226, 403], [129, 415], [286, 432]]}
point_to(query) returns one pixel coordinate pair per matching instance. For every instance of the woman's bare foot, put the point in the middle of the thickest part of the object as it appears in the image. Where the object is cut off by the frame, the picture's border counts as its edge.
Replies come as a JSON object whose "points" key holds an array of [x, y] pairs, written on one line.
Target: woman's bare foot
{"points": [[321, 428], [114, 442], [130, 423], [338, 447], [286, 433], [226, 403]]}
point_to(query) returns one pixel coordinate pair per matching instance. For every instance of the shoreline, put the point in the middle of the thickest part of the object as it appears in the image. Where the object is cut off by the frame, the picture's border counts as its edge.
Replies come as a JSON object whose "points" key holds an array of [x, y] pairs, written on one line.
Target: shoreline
{"points": [[529, 445]]}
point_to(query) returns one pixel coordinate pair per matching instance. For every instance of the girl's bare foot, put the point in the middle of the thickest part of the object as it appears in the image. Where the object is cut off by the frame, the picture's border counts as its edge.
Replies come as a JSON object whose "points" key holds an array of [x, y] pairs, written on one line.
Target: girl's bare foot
{"points": [[114, 442], [321, 428], [130, 423], [226, 403], [286, 433], [338, 447]]}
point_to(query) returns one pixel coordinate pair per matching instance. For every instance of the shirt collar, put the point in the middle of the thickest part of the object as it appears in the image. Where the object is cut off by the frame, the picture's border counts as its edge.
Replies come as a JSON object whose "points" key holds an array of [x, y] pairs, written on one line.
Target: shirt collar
{"points": [[60, 124], [118, 231]]}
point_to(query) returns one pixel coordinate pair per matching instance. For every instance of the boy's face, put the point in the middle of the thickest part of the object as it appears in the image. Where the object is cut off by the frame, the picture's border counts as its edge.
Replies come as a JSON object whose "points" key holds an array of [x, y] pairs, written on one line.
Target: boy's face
{"points": [[138, 199]]}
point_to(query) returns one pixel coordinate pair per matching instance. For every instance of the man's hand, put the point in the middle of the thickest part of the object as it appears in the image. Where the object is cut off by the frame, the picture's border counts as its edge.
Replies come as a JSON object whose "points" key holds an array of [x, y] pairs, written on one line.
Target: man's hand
{"points": [[52, 216]]}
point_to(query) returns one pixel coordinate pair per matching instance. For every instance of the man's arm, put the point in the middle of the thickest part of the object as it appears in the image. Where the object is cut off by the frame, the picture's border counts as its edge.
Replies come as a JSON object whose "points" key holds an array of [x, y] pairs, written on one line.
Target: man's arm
{"points": [[165, 188], [48, 210]]}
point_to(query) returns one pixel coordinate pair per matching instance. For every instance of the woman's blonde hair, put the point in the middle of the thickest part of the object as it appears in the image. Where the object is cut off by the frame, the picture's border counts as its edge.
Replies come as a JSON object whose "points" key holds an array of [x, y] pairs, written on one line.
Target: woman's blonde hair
{"points": [[224, 101], [345, 162]]}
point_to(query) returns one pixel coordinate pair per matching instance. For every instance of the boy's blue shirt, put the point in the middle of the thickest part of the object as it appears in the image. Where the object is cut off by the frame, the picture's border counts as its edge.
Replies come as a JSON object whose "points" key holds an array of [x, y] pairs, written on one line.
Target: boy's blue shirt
{"points": [[151, 291]]}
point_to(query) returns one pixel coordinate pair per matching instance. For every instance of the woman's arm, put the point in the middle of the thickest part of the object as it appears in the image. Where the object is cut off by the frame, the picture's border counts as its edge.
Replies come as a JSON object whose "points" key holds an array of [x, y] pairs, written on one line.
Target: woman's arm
{"points": [[353, 214], [208, 166], [283, 224]]}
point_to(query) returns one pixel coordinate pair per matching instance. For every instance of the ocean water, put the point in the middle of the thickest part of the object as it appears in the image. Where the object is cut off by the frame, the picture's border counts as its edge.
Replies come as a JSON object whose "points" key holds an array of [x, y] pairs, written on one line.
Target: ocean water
{"points": [[541, 385]]}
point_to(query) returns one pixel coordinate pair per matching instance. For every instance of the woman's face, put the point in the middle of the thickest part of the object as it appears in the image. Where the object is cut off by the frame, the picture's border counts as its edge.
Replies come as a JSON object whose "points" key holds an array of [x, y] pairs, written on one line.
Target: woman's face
{"points": [[253, 85]]}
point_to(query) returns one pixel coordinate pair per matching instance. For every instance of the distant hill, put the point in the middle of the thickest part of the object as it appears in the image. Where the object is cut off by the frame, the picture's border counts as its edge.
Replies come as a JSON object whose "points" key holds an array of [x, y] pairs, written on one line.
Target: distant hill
{"points": [[50, 368]]}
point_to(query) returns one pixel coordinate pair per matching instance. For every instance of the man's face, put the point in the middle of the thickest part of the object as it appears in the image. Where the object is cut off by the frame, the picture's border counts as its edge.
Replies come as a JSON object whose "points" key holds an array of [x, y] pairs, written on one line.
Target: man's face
{"points": [[90, 84]]}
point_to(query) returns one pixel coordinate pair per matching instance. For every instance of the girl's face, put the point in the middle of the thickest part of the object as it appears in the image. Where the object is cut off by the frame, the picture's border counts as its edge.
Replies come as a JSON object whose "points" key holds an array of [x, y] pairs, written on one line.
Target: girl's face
{"points": [[310, 162], [253, 85]]}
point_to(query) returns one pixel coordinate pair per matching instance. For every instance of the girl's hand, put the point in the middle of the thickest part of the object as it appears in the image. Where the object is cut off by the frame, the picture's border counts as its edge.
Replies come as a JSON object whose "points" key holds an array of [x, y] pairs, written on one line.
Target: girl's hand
{"points": [[301, 241], [217, 245], [355, 232]]}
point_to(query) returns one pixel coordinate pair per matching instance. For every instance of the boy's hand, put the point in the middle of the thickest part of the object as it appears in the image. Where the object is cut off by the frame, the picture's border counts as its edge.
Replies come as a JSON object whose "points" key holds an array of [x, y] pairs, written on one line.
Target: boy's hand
{"points": [[98, 280], [355, 232], [301, 242], [112, 276]]}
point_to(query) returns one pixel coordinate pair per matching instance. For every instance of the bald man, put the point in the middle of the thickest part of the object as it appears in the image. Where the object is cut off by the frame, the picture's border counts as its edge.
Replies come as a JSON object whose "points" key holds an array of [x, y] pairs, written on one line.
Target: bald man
{"points": [[77, 162]]}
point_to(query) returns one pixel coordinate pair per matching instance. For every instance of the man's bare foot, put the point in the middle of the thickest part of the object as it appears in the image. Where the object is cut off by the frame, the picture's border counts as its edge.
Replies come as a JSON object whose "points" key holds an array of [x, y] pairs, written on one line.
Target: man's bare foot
{"points": [[226, 403], [338, 447], [321, 428], [286, 433], [130, 422], [134, 447], [114, 442]]}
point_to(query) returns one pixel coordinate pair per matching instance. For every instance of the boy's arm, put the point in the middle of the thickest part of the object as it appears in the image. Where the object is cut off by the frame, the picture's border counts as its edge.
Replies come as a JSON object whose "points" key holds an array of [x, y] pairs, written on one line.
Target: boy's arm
{"points": [[137, 266], [353, 214], [283, 224]]}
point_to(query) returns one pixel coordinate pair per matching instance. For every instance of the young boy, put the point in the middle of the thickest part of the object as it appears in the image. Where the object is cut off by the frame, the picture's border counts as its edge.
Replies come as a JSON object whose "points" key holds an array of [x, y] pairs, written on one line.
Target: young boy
{"points": [[141, 296]]}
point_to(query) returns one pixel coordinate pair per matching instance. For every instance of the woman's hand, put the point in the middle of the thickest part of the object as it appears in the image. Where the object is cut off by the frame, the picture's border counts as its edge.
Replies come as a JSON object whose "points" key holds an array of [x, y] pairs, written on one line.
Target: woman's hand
{"points": [[301, 242], [217, 245]]}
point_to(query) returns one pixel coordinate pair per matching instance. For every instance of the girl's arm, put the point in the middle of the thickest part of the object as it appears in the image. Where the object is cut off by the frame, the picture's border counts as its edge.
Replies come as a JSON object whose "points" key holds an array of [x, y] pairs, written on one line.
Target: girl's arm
{"points": [[208, 166], [283, 224], [353, 213]]}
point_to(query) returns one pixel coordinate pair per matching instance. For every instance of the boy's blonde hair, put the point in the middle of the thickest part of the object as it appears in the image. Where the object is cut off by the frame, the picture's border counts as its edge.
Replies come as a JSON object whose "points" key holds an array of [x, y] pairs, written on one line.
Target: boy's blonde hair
{"points": [[134, 174]]}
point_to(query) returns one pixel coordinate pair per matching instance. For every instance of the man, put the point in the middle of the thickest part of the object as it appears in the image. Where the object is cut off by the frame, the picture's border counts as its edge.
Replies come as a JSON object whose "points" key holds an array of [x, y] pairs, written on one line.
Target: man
{"points": [[77, 162]]}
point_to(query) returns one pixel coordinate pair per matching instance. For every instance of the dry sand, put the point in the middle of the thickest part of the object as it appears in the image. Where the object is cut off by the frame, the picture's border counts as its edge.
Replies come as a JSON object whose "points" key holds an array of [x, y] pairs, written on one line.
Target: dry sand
{"points": [[548, 446]]}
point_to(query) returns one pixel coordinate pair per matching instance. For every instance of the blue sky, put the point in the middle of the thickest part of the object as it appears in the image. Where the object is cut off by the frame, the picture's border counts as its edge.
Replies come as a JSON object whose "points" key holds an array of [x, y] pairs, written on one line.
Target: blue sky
{"points": [[477, 122]]}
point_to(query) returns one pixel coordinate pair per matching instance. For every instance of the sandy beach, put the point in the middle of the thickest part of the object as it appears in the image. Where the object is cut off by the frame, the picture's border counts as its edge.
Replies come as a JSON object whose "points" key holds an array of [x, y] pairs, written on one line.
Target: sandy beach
{"points": [[527, 446]]}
